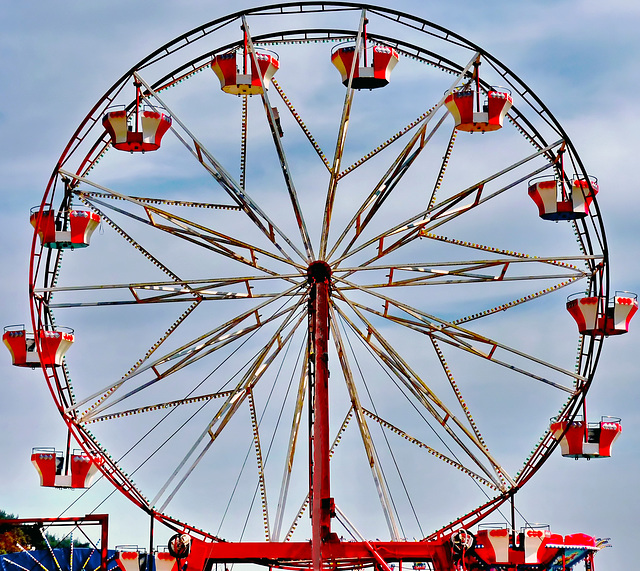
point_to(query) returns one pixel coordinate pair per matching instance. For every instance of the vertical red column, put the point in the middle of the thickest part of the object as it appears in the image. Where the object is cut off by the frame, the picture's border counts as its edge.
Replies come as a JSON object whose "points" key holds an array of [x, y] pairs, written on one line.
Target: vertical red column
{"points": [[319, 274], [104, 541]]}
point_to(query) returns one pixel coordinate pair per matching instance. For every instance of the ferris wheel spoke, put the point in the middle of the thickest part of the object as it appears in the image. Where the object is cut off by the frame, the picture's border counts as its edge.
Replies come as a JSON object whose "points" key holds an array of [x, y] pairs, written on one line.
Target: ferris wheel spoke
{"points": [[493, 471], [423, 222], [241, 288], [305, 502], [446, 459], [450, 423], [235, 191], [138, 247], [249, 380], [340, 142], [443, 166], [220, 243], [301, 123], [414, 229], [227, 336], [450, 332], [457, 392], [260, 461], [188, 357], [291, 449], [365, 434], [387, 184], [447, 214], [469, 271], [156, 407], [484, 348], [444, 212], [388, 142], [398, 168], [183, 228], [284, 166], [109, 195], [484, 313], [592, 260], [487, 349], [396, 366], [221, 250], [188, 353]]}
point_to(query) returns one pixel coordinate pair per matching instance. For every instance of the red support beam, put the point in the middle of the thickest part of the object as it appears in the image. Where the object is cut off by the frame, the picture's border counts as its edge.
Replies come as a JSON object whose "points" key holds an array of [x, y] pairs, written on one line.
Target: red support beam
{"points": [[319, 275], [335, 554]]}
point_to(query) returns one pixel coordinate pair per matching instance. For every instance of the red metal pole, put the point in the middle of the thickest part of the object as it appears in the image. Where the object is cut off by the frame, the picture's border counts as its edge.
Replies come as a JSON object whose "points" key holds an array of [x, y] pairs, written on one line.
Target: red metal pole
{"points": [[244, 56], [319, 275], [476, 67], [565, 194], [364, 33], [104, 542], [137, 85], [584, 419]]}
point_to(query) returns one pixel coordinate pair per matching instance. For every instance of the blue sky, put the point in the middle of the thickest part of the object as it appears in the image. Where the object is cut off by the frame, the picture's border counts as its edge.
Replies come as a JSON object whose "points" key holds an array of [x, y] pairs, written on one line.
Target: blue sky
{"points": [[580, 58]]}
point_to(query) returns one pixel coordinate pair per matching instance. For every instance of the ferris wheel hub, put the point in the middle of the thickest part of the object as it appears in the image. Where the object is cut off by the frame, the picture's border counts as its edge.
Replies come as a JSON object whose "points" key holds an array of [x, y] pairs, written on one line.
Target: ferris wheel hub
{"points": [[318, 271]]}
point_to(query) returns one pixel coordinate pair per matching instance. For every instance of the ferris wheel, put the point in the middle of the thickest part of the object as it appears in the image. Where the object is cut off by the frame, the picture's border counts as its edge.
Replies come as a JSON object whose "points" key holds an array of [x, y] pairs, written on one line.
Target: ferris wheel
{"points": [[316, 257]]}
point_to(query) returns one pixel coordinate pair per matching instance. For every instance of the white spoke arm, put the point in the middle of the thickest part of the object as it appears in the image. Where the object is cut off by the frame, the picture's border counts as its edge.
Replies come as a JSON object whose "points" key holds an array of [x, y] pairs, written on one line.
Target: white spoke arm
{"points": [[365, 434], [181, 227], [259, 366], [430, 450], [423, 393], [467, 271], [167, 291], [340, 143], [293, 438], [157, 406], [225, 179], [260, 461], [430, 324], [300, 122], [399, 166], [387, 184], [412, 227], [286, 171], [188, 353]]}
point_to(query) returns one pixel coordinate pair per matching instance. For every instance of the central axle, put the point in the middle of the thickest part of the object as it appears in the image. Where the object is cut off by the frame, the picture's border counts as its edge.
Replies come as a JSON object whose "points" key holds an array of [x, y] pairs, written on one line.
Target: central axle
{"points": [[322, 507]]}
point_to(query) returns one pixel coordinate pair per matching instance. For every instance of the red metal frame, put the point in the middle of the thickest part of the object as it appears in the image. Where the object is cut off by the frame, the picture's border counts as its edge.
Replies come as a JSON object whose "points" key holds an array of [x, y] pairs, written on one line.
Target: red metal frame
{"points": [[333, 554], [325, 550], [319, 274]]}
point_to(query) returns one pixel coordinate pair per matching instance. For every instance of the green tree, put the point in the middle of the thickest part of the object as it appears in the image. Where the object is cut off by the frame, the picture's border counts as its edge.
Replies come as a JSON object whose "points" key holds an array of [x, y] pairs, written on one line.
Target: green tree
{"points": [[12, 535], [29, 536]]}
